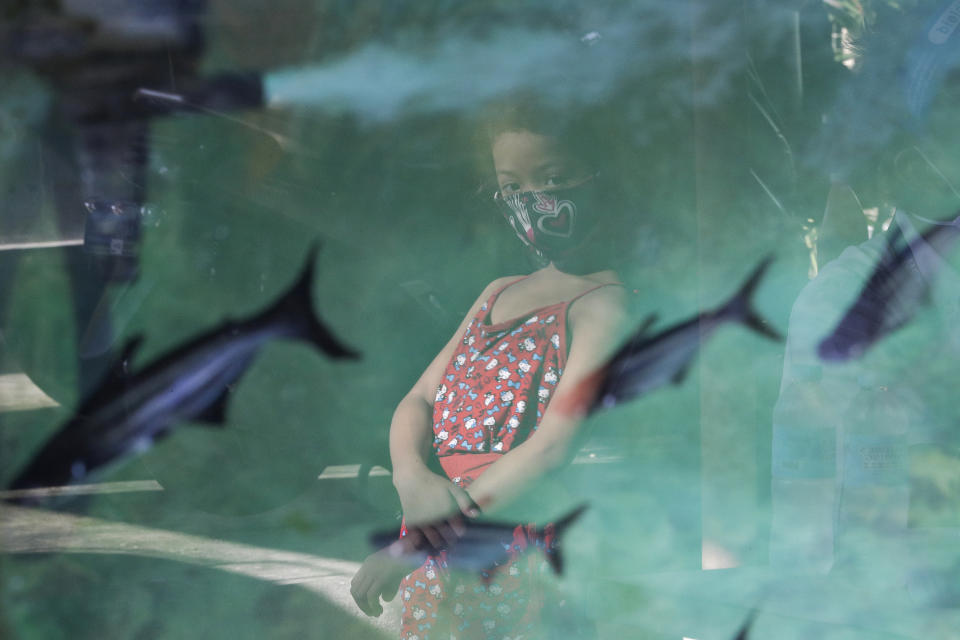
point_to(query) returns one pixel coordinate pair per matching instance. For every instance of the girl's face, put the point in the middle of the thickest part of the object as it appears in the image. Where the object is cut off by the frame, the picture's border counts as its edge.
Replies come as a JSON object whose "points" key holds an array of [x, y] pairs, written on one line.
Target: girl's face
{"points": [[527, 161]]}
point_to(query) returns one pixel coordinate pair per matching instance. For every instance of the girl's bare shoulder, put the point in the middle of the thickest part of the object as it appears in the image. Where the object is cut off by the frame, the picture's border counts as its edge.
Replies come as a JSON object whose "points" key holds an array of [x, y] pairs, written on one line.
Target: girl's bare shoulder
{"points": [[489, 290], [607, 305], [611, 298], [499, 283]]}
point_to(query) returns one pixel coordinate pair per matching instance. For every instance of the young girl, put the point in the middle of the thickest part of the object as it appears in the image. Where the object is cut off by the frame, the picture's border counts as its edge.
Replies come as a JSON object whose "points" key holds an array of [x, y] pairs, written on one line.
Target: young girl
{"points": [[483, 406]]}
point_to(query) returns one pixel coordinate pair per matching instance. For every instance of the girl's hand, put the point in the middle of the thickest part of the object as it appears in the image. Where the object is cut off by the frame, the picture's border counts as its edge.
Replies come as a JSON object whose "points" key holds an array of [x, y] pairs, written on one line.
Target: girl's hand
{"points": [[433, 509], [379, 576]]}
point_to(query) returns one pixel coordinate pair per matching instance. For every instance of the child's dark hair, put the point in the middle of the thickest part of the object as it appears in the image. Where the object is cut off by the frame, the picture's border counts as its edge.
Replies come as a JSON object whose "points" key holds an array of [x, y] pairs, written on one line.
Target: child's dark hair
{"points": [[576, 129], [587, 133]]}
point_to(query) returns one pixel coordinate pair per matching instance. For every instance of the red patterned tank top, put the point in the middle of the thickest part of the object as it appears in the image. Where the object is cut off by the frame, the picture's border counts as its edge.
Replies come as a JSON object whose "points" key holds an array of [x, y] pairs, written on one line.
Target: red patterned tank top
{"points": [[500, 379]]}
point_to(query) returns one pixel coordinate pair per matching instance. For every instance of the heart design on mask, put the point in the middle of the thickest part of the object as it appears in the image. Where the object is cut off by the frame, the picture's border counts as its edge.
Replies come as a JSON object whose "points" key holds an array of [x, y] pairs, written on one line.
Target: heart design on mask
{"points": [[556, 216]]}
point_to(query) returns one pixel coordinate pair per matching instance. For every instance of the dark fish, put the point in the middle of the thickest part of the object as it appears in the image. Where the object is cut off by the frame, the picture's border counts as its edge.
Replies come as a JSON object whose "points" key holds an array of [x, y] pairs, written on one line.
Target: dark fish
{"points": [[744, 632], [130, 410], [483, 546], [899, 285], [647, 362]]}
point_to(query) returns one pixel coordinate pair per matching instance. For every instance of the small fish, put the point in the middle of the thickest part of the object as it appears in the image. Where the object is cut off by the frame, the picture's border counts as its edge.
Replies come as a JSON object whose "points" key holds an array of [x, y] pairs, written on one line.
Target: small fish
{"points": [[898, 286], [130, 410], [647, 362], [482, 547]]}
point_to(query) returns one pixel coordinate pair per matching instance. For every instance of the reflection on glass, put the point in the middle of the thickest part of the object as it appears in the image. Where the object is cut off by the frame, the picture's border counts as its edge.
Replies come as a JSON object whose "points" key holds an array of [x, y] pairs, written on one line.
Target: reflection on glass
{"points": [[520, 208]]}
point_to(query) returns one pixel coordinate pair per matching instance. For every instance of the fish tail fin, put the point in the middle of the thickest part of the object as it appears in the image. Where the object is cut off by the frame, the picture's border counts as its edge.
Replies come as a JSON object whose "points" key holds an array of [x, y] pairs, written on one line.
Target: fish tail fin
{"points": [[554, 556], [739, 307], [561, 525], [555, 560], [296, 308]]}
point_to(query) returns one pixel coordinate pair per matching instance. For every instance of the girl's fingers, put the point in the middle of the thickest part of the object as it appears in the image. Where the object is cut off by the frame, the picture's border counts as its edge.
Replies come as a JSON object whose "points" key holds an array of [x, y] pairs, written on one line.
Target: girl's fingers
{"points": [[359, 582], [371, 603], [374, 609], [389, 585], [447, 532], [372, 582], [467, 505], [390, 594], [358, 589], [433, 537], [458, 526], [412, 541]]}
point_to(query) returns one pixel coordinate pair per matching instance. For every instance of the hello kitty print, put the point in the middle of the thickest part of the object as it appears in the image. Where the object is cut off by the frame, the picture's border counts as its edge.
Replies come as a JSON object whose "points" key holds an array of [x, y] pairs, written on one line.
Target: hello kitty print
{"points": [[499, 381]]}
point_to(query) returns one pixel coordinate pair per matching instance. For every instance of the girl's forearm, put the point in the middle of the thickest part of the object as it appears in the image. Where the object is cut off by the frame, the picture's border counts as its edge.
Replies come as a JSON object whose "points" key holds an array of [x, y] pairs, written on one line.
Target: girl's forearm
{"points": [[410, 437], [517, 469]]}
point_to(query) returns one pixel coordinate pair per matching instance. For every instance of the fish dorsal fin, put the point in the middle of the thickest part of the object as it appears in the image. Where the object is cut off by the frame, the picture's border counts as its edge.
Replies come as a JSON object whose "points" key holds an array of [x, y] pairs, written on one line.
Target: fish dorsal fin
{"points": [[897, 251], [120, 368], [216, 413], [647, 323], [744, 632], [641, 333], [895, 239], [115, 377]]}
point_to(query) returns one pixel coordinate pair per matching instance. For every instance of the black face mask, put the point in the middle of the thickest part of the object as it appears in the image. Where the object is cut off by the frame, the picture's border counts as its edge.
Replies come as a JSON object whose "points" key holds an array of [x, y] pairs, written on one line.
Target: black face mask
{"points": [[555, 224]]}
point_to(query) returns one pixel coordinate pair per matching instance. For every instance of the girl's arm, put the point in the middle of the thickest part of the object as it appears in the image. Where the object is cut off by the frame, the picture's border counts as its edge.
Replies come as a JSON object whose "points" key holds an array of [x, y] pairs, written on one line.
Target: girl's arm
{"points": [[427, 497], [431, 503], [597, 321]]}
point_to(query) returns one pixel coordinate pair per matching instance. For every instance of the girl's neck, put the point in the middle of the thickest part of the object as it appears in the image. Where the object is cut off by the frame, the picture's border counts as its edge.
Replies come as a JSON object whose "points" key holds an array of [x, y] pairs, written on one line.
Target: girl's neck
{"points": [[603, 276], [545, 287]]}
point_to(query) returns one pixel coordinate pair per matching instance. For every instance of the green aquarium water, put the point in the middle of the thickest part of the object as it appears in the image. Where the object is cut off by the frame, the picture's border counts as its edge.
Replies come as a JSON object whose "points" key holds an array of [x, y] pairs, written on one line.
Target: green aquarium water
{"points": [[235, 236]]}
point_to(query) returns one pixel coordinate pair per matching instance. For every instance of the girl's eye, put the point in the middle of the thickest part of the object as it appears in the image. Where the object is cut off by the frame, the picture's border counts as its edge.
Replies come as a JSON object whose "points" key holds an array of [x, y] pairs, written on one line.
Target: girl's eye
{"points": [[556, 180], [509, 188]]}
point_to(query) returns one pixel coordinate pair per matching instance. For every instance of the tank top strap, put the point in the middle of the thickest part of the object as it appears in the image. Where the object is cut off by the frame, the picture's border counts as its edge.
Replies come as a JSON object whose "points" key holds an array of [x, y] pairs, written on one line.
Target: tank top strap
{"points": [[592, 289], [493, 296]]}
